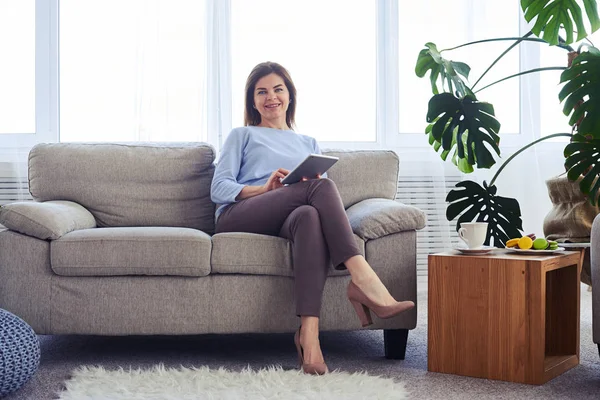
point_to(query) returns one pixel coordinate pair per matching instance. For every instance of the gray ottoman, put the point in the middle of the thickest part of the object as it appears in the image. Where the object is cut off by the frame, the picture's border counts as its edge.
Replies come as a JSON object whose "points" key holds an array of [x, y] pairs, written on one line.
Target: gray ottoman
{"points": [[19, 352]]}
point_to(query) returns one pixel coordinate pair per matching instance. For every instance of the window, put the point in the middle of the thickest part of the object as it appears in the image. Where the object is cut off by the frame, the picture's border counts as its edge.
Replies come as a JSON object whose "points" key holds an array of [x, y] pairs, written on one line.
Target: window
{"points": [[553, 120], [452, 24], [334, 69], [175, 70], [17, 69], [132, 70]]}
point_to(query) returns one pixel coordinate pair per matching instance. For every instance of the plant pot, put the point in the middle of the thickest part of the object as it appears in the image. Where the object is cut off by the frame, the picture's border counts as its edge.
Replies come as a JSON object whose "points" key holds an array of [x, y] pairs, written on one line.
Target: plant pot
{"points": [[570, 218]]}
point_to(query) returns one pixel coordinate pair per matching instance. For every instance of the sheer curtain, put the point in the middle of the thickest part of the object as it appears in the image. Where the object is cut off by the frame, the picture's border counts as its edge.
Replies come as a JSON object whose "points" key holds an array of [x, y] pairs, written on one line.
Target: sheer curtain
{"points": [[525, 176], [17, 95], [173, 70], [133, 70], [425, 179]]}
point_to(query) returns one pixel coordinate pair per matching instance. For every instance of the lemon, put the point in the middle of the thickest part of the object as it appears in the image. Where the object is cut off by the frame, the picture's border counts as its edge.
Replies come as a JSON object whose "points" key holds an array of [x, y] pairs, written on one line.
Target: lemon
{"points": [[525, 243]]}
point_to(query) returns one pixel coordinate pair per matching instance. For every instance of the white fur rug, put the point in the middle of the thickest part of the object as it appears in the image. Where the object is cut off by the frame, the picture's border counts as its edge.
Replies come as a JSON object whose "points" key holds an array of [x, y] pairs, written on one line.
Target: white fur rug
{"points": [[96, 383]]}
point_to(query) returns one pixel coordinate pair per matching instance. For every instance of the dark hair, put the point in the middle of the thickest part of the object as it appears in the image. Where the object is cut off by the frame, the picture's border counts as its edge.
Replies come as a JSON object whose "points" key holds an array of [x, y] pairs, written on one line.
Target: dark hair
{"points": [[251, 115]]}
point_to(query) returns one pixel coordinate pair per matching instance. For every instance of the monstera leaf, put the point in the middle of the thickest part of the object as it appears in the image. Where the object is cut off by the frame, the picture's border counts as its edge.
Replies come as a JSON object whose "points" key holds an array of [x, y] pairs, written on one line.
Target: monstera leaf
{"points": [[461, 163], [583, 162], [466, 124], [480, 204], [431, 59], [551, 15], [583, 81]]}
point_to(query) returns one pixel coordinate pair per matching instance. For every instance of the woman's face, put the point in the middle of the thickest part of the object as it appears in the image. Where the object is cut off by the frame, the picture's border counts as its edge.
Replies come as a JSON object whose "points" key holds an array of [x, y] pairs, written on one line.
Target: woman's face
{"points": [[271, 97]]}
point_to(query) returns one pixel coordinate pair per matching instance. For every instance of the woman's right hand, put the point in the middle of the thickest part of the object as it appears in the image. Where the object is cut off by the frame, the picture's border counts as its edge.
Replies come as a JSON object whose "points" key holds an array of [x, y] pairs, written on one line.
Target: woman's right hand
{"points": [[274, 181]]}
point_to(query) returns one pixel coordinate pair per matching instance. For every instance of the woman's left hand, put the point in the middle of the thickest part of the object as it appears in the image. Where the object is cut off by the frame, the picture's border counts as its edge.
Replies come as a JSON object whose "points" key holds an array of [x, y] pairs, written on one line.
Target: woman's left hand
{"points": [[304, 178]]}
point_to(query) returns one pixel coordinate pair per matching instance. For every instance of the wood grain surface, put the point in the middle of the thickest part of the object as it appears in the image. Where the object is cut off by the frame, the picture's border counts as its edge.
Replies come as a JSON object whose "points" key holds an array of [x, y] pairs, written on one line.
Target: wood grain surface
{"points": [[503, 316]]}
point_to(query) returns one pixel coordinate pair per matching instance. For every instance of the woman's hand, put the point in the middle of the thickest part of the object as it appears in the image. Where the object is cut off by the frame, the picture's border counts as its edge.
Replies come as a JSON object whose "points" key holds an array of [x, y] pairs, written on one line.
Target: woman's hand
{"points": [[274, 181], [304, 178]]}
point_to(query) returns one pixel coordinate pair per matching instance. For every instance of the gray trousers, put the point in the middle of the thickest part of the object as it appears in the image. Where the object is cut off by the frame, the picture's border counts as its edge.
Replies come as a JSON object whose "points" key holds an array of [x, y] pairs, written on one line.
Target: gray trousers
{"points": [[311, 215]]}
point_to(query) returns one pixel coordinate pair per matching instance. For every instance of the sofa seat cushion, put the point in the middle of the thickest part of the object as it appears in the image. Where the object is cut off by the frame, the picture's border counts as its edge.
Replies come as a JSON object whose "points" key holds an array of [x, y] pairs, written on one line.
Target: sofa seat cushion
{"points": [[132, 251], [253, 254]]}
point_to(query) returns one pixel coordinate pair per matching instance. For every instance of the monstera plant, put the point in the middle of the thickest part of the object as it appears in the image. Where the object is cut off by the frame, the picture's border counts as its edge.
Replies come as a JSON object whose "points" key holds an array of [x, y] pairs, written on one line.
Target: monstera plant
{"points": [[464, 127]]}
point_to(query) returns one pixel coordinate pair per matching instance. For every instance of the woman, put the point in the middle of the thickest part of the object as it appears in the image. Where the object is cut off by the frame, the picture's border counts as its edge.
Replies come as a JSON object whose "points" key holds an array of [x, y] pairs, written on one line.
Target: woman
{"points": [[251, 198]]}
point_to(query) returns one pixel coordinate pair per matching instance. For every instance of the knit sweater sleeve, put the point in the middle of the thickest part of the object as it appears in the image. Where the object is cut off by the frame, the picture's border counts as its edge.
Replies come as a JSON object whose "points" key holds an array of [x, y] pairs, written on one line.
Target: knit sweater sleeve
{"points": [[225, 187]]}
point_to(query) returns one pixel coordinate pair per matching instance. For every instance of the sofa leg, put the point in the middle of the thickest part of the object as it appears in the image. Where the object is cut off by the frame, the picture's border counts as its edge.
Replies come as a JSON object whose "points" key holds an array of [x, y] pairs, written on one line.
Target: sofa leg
{"points": [[394, 342], [599, 349]]}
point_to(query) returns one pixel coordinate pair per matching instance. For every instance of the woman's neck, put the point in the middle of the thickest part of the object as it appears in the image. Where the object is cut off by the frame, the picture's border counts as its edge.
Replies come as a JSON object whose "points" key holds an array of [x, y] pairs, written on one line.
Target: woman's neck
{"points": [[281, 125]]}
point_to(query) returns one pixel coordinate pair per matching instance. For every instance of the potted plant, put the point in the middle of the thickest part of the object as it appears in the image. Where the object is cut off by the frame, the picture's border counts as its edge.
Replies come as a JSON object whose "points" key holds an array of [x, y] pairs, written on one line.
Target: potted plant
{"points": [[464, 127]]}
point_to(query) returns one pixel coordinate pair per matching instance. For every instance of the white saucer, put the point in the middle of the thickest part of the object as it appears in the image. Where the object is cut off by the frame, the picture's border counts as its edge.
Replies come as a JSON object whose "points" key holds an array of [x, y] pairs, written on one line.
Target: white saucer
{"points": [[480, 250]]}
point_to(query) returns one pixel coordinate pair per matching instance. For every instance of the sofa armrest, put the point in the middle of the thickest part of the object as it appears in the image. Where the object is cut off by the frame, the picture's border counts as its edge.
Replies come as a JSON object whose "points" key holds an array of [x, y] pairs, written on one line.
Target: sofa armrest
{"points": [[595, 276], [47, 220], [374, 218]]}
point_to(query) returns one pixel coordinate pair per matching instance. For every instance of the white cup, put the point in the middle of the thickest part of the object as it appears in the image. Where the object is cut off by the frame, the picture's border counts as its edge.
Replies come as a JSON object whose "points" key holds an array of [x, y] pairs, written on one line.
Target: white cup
{"points": [[473, 233]]}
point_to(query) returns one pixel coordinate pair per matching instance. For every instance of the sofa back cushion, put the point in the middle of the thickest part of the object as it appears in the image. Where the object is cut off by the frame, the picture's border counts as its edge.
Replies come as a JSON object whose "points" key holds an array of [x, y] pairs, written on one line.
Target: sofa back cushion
{"points": [[364, 174], [129, 184]]}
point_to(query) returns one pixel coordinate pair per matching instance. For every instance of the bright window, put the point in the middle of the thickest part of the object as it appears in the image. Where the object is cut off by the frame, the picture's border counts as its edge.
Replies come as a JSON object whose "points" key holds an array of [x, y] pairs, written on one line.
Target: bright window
{"points": [[17, 66], [552, 118], [329, 48], [132, 70], [449, 24]]}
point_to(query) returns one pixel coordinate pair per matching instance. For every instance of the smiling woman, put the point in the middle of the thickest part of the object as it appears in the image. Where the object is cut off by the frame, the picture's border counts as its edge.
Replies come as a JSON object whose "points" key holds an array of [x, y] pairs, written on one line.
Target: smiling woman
{"points": [[270, 97]]}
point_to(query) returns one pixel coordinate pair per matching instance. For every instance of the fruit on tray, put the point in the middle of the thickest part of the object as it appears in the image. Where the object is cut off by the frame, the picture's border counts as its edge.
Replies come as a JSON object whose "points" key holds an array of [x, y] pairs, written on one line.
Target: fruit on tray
{"points": [[531, 242], [512, 242], [525, 243], [540, 244]]}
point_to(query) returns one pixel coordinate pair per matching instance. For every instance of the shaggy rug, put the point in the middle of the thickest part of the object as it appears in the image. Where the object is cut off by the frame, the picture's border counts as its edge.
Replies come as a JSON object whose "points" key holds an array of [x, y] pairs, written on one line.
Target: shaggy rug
{"points": [[95, 383]]}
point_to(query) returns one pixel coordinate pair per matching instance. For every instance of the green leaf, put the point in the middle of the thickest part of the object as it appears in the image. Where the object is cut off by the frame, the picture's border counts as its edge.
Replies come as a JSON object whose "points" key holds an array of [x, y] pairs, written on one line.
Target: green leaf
{"points": [[475, 203], [551, 15], [467, 125], [581, 92], [442, 70], [461, 68], [583, 165]]}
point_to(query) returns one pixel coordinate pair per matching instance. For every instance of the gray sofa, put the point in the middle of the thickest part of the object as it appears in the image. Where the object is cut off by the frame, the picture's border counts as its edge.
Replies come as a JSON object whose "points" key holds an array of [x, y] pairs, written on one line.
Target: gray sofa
{"points": [[595, 275], [119, 241]]}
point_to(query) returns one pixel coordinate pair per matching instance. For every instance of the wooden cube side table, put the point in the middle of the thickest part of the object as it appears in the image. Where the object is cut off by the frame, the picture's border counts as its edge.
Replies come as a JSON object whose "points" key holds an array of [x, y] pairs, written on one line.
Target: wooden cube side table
{"points": [[503, 316]]}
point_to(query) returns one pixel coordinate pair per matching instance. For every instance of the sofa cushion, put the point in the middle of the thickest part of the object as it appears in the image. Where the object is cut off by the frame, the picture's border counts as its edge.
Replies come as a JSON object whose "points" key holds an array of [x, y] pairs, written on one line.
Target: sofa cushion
{"points": [[250, 253], [132, 251], [364, 174], [373, 218], [129, 184], [49, 220]]}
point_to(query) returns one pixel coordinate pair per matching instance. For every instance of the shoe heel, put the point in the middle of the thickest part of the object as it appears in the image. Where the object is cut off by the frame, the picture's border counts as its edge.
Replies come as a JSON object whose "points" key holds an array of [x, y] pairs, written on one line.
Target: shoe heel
{"points": [[363, 312]]}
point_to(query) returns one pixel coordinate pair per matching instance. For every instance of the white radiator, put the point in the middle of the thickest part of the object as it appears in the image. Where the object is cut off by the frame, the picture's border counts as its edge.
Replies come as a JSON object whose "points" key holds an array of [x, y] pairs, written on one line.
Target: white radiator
{"points": [[13, 189], [428, 193]]}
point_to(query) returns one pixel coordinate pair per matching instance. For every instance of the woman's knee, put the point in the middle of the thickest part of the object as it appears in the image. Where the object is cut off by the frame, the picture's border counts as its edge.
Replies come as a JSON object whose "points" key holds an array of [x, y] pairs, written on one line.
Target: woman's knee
{"points": [[326, 184], [307, 213]]}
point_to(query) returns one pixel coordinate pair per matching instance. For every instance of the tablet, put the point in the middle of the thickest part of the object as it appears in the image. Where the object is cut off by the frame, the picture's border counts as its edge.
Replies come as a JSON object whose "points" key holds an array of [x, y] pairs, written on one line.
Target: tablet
{"points": [[313, 165]]}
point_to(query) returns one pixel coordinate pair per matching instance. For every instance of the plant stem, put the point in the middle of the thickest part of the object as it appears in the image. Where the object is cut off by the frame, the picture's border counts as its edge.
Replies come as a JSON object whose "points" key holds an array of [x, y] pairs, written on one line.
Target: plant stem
{"points": [[500, 56], [522, 150], [524, 38], [522, 73]]}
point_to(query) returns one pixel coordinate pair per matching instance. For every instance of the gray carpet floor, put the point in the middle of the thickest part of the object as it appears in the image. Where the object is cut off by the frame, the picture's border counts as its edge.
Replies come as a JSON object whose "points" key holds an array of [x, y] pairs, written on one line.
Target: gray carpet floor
{"points": [[347, 351]]}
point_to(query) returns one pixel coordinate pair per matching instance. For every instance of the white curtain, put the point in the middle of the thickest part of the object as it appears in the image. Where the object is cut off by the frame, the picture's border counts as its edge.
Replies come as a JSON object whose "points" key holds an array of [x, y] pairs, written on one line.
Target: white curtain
{"points": [[161, 70], [133, 70]]}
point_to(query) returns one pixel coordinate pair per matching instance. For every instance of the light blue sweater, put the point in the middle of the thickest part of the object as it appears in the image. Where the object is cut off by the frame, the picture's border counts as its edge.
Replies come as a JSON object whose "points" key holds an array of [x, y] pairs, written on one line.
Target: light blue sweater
{"points": [[251, 154]]}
